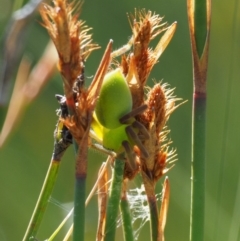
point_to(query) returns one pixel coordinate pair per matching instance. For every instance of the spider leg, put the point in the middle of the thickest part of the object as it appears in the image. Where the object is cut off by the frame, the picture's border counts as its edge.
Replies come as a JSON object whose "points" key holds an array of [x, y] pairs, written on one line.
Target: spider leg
{"points": [[144, 132], [124, 119], [130, 154], [123, 49], [131, 133]]}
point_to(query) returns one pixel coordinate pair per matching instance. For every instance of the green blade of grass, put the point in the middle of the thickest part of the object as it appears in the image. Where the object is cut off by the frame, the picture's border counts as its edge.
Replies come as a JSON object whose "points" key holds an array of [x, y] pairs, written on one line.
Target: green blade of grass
{"points": [[198, 169], [199, 14], [126, 216], [114, 199], [79, 206], [152, 203], [149, 186], [62, 140], [80, 190], [42, 200]]}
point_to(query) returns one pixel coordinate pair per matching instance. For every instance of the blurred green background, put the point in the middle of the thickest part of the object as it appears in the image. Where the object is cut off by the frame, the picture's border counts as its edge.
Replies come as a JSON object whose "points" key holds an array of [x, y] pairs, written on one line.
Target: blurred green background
{"points": [[25, 157]]}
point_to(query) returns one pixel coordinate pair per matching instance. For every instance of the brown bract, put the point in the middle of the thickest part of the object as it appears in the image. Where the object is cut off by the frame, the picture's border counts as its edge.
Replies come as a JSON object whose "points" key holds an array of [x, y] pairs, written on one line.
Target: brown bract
{"points": [[161, 103], [71, 38]]}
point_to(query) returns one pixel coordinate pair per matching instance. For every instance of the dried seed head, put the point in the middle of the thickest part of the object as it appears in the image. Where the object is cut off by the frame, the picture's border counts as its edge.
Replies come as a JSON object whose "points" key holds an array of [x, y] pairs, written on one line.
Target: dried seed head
{"points": [[145, 27], [161, 103], [79, 124], [71, 38], [138, 65]]}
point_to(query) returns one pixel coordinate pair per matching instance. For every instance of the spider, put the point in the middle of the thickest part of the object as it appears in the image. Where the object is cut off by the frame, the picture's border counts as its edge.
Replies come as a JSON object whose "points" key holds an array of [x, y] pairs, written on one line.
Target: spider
{"points": [[114, 122]]}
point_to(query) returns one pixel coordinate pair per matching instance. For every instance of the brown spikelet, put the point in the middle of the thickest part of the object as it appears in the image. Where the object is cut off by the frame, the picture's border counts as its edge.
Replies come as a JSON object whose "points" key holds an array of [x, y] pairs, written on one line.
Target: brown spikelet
{"points": [[138, 65], [161, 103], [71, 38], [156, 107], [145, 27]]}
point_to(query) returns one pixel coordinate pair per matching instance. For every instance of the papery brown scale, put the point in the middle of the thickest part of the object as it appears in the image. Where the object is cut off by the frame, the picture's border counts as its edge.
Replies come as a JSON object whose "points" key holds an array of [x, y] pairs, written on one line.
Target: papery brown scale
{"points": [[76, 130], [151, 145], [129, 173], [135, 85], [142, 39], [76, 67], [124, 65], [160, 165], [157, 107], [143, 66], [63, 31]]}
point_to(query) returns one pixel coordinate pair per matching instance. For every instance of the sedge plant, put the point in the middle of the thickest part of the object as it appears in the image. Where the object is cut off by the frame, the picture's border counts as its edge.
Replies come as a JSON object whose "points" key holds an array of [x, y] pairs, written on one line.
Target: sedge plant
{"points": [[119, 111], [199, 17]]}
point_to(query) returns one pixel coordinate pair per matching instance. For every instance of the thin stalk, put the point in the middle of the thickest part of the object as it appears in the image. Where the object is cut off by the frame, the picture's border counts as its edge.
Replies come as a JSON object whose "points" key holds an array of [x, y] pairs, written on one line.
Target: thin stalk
{"points": [[199, 16], [163, 209], [54, 234], [198, 167], [102, 201], [149, 186], [80, 190], [79, 208], [42, 200], [127, 220], [69, 233], [62, 141], [152, 203], [114, 199]]}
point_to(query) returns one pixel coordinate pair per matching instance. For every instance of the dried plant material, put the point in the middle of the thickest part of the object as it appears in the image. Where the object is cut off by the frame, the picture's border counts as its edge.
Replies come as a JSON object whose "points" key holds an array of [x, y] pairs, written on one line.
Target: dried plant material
{"points": [[71, 38], [163, 210], [17, 102], [74, 44], [13, 44], [27, 87], [80, 123], [138, 65], [160, 103], [163, 43], [145, 27], [102, 202]]}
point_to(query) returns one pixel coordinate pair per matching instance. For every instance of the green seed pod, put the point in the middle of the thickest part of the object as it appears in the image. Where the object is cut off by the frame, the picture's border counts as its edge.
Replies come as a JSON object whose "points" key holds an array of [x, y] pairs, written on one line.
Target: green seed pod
{"points": [[114, 101]]}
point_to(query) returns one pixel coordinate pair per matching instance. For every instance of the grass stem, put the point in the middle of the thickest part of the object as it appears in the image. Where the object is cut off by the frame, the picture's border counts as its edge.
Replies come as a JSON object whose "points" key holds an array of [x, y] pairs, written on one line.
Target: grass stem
{"points": [[198, 169], [114, 199], [126, 215], [42, 202]]}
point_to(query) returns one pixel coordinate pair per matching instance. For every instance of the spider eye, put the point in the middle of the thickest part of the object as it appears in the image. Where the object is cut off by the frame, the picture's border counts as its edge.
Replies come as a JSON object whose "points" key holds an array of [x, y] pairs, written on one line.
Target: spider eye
{"points": [[114, 101]]}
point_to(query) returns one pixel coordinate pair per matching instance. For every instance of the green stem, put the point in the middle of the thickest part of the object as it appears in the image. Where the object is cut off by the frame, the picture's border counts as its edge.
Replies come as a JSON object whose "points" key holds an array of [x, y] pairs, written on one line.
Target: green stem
{"points": [[153, 217], [198, 168], [80, 189], [127, 220], [79, 209], [42, 200], [114, 199]]}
